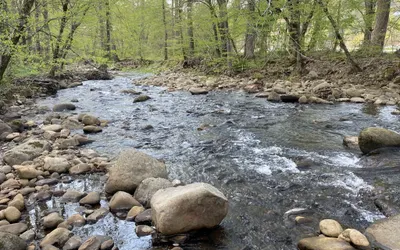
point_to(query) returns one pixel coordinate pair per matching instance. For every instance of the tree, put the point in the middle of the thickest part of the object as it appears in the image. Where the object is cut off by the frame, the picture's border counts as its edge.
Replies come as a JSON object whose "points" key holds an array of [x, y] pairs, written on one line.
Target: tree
{"points": [[16, 33], [381, 24]]}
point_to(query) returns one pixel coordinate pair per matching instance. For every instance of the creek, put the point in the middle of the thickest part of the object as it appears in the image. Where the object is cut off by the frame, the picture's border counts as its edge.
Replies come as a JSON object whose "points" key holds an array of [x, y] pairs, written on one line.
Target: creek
{"points": [[267, 158]]}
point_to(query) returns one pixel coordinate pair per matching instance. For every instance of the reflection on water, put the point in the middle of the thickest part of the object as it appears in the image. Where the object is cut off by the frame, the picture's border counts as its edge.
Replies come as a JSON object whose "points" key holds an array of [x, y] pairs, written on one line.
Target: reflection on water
{"points": [[266, 157]]}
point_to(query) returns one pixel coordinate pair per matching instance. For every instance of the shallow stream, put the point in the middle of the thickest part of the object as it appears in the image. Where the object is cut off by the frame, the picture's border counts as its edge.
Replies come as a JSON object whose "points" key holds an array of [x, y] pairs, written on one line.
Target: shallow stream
{"points": [[267, 158]]}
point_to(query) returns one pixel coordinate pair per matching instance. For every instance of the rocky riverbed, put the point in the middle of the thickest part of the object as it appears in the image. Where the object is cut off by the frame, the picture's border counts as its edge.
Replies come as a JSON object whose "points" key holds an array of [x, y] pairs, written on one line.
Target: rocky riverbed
{"points": [[282, 167], [310, 89]]}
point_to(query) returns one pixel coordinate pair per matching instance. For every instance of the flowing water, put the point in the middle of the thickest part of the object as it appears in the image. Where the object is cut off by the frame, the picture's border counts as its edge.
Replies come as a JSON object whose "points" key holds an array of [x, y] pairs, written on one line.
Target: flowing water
{"points": [[267, 158]]}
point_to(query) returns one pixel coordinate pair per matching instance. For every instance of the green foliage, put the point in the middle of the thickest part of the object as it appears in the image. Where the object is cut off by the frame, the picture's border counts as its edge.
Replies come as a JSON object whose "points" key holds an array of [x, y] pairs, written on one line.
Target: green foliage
{"points": [[137, 30]]}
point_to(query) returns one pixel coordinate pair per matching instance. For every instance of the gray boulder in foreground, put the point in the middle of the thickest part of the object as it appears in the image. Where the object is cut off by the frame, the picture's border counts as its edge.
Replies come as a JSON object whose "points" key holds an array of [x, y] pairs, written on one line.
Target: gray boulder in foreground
{"points": [[374, 138], [186, 208], [385, 234]]}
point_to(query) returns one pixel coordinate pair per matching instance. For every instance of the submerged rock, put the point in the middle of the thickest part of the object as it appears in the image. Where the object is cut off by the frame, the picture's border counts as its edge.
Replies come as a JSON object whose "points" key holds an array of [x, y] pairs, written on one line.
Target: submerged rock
{"points": [[185, 208], [142, 98], [374, 138], [384, 234], [63, 107], [198, 91], [131, 168]]}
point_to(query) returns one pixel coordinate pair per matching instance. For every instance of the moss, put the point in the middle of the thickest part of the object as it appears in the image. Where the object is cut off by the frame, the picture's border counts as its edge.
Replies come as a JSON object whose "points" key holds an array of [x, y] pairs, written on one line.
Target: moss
{"points": [[36, 144]]}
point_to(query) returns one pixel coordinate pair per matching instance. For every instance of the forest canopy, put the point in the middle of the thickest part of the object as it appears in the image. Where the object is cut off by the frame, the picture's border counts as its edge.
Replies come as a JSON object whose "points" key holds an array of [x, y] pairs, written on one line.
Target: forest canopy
{"points": [[44, 36]]}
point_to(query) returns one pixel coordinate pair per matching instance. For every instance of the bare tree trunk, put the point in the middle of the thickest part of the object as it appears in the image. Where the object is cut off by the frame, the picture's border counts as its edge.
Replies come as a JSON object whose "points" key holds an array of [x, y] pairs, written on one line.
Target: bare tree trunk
{"points": [[223, 26], [339, 37], [295, 33], [251, 35], [190, 27], [108, 29], [22, 22], [47, 30], [381, 24], [368, 21], [57, 47], [165, 31], [214, 27], [180, 24], [38, 46]]}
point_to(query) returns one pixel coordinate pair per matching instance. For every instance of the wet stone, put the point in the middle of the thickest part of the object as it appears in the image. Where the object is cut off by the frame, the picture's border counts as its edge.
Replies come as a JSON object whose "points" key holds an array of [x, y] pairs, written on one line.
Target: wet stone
{"points": [[144, 217]]}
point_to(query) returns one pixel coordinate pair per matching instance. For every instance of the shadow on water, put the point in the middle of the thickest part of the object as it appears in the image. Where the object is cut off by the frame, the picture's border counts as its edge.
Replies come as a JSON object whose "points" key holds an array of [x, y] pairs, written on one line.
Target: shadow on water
{"points": [[267, 158]]}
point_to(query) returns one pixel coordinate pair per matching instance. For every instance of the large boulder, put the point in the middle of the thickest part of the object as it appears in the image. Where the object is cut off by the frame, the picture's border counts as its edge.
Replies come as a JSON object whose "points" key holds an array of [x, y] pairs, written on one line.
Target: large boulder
{"points": [[373, 138], [131, 168], [11, 241], [26, 152], [384, 234], [185, 208], [148, 188], [324, 243]]}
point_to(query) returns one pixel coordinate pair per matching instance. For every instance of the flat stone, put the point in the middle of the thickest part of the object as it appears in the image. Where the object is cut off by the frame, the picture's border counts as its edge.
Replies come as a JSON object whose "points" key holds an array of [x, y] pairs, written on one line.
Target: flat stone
{"points": [[16, 228], [324, 243], [97, 215], [80, 169], [53, 128]]}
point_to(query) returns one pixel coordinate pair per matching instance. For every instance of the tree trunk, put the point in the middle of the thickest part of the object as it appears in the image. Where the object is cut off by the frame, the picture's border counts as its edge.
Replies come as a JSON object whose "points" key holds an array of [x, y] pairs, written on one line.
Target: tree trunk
{"points": [[295, 33], [368, 21], [251, 35], [165, 31], [56, 51], [190, 27], [22, 22], [339, 37], [47, 30], [214, 27], [223, 26], [108, 30], [381, 24]]}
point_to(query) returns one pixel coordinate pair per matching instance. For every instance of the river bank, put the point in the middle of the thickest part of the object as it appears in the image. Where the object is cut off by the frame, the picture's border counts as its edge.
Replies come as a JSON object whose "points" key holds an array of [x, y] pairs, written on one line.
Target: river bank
{"points": [[233, 141], [328, 80]]}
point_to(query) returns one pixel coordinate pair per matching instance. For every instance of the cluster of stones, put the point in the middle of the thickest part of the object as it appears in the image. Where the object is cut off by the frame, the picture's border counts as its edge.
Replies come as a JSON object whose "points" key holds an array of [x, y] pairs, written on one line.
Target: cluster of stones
{"points": [[334, 237], [310, 90], [142, 193], [137, 187], [37, 159]]}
